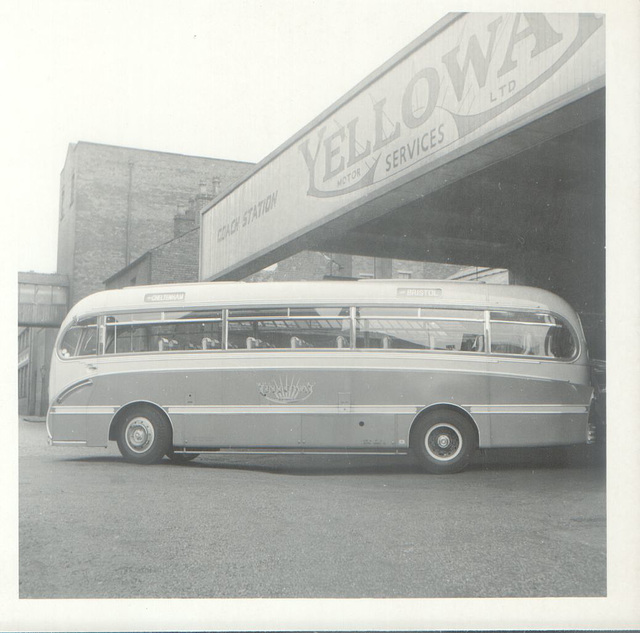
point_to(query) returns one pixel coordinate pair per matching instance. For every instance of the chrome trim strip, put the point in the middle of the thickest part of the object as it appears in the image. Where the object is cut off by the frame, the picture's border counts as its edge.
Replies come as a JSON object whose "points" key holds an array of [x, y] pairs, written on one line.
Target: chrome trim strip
{"points": [[282, 368], [352, 327], [84, 382], [394, 353], [372, 409], [387, 409], [284, 409], [225, 328], [543, 409], [487, 332], [68, 442], [288, 451], [83, 410]]}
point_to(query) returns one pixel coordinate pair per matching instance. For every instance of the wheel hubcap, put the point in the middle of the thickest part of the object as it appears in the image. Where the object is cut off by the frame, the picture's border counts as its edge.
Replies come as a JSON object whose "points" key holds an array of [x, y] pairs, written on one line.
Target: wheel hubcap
{"points": [[443, 442], [139, 435]]}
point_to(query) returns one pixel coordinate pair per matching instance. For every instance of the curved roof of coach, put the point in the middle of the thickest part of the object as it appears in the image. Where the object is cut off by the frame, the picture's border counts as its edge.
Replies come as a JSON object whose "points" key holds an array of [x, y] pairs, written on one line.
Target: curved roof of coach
{"points": [[372, 292]]}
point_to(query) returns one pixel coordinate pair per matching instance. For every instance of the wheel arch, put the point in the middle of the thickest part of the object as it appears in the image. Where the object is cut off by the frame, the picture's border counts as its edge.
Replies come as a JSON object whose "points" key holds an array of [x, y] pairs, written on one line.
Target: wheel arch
{"points": [[440, 406], [123, 410]]}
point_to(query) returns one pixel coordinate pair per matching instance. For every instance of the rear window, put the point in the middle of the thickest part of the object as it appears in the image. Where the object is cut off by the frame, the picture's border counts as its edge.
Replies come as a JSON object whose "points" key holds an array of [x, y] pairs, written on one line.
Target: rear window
{"points": [[532, 334]]}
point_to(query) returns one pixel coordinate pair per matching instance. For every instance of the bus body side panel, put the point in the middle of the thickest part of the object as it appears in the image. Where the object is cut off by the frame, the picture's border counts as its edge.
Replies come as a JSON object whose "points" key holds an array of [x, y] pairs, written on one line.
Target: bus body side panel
{"points": [[69, 426], [538, 403], [334, 400], [138, 382], [404, 385], [350, 400], [316, 400], [542, 428], [213, 427], [75, 420], [86, 425]]}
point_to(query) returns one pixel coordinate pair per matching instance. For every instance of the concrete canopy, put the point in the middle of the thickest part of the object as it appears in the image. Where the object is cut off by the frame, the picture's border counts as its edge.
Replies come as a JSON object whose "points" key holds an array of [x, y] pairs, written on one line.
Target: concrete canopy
{"points": [[539, 212], [492, 155]]}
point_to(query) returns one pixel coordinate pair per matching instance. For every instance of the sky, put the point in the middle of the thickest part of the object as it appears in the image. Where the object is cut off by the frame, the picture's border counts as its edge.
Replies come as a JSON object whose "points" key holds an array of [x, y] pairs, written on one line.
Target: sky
{"points": [[222, 78]]}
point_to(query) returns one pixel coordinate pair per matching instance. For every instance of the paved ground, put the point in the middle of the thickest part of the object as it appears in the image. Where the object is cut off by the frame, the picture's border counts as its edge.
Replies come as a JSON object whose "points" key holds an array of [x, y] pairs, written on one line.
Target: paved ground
{"points": [[93, 526]]}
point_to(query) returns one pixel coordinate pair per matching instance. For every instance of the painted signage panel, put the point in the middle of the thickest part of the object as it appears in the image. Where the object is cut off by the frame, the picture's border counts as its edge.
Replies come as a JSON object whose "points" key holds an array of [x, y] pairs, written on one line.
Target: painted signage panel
{"points": [[157, 297], [481, 75], [287, 390]]}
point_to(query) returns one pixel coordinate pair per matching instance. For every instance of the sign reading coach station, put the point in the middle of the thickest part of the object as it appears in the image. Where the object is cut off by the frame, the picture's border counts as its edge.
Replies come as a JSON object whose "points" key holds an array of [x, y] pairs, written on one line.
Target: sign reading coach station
{"points": [[471, 79]]}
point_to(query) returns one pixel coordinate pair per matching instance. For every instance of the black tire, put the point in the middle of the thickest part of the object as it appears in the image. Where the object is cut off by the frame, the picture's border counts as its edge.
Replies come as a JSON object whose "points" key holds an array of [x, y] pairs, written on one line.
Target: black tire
{"points": [[144, 435], [443, 441], [181, 458]]}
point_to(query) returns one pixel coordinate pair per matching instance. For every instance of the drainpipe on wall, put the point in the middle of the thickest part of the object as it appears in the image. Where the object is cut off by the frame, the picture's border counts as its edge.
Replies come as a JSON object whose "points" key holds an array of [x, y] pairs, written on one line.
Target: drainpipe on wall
{"points": [[127, 249]]}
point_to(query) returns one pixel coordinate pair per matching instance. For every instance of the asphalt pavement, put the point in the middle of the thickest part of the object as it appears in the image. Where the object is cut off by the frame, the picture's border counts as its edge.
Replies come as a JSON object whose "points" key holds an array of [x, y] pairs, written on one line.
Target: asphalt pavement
{"points": [[515, 524]]}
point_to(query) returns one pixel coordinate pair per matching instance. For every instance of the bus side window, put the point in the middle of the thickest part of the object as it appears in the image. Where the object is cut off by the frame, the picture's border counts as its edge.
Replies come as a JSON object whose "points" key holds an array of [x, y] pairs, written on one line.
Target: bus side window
{"points": [[110, 341], [472, 343], [390, 331], [298, 343], [561, 343], [283, 328], [69, 343], [209, 343], [528, 345], [80, 339], [89, 342], [257, 343], [167, 344]]}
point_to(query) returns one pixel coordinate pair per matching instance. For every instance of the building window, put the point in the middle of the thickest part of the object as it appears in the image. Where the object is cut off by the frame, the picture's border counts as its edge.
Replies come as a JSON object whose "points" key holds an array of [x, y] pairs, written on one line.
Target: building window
{"points": [[62, 202], [27, 293], [404, 274], [59, 295], [23, 381], [23, 340]]}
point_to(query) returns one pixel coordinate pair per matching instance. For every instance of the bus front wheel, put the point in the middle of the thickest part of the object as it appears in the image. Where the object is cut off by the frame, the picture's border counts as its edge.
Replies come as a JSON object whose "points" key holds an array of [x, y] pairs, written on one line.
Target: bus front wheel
{"points": [[144, 435], [444, 441]]}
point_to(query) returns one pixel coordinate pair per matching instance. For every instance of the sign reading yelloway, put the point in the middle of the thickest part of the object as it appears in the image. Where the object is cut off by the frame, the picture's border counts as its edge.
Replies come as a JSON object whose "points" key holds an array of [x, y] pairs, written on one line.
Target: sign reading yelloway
{"points": [[471, 80]]}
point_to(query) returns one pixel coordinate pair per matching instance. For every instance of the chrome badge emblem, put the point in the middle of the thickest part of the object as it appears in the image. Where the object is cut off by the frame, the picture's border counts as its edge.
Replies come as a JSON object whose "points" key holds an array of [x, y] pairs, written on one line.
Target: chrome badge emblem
{"points": [[287, 391]]}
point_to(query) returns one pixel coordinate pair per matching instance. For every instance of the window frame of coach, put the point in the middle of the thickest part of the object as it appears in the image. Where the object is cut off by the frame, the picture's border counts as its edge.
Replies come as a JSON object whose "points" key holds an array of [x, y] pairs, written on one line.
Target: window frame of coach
{"points": [[269, 360]]}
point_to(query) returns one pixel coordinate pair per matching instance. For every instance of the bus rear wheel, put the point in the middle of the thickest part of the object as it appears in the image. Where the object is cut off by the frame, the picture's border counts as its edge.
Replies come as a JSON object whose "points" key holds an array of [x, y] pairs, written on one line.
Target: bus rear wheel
{"points": [[144, 435], [444, 441]]}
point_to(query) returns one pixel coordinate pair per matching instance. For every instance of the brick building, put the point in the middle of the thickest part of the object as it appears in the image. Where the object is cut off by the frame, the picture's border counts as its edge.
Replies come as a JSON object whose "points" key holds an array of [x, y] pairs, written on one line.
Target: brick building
{"points": [[175, 261], [315, 265], [119, 208], [117, 203]]}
